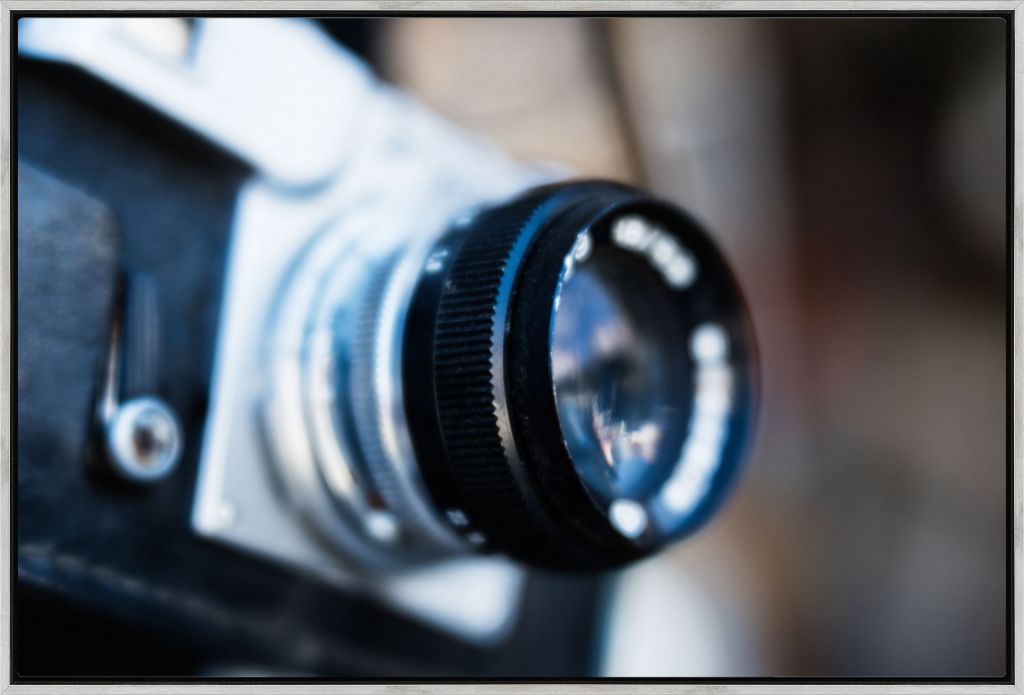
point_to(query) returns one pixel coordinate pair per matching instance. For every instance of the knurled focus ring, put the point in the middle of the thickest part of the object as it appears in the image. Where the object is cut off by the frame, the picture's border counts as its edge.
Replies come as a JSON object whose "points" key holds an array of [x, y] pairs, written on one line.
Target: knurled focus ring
{"points": [[484, 488]]}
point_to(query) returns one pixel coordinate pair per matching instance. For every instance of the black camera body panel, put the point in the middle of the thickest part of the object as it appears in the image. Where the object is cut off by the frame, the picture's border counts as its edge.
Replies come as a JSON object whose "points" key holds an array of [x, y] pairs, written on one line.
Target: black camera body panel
{"points": [[111, 579]]}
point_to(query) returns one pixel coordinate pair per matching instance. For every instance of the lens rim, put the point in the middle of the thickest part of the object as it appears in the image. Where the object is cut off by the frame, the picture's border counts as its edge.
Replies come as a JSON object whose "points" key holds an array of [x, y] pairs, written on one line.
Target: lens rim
{"points": [[714, 297], [524, 496]]}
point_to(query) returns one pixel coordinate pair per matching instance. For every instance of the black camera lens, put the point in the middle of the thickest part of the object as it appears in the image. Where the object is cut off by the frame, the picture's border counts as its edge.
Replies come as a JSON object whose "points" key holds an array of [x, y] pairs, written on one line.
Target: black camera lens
{"points": [[578, 376]]}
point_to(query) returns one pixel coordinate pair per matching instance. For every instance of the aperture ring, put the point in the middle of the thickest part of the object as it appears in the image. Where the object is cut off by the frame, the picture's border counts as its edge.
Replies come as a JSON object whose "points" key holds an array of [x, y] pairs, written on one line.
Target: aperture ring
{"points": [[377, 408]]}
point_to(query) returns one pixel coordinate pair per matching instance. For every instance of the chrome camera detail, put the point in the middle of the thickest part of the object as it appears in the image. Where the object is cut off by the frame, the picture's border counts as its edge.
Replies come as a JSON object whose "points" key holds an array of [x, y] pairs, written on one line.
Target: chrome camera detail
{"points": [[434, 366]]}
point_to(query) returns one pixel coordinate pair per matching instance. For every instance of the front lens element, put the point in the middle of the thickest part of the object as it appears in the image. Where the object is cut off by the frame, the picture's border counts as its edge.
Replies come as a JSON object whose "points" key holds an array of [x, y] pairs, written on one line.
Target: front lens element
{"points": [[619, 375]]}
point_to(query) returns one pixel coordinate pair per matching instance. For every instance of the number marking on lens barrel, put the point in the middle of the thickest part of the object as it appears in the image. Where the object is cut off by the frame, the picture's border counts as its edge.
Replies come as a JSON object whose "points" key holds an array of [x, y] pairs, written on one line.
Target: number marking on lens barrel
{"points": [[628, 517], [661, 249], [709, 424]]}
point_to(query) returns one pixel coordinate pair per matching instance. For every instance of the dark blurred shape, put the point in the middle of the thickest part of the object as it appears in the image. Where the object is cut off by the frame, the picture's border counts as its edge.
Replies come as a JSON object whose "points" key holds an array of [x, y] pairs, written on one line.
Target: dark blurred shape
{"points": [[357, 35], [903, 290]]}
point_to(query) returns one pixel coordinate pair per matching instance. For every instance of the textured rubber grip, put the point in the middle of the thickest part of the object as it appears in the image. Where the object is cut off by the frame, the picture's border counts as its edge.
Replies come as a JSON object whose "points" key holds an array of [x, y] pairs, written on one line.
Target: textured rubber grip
{"points": [[467, 343]]}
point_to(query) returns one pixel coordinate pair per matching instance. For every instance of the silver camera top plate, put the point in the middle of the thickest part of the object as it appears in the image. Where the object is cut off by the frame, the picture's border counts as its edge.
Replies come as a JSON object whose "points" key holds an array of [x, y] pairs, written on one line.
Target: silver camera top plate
{"points": [[328, 143]]}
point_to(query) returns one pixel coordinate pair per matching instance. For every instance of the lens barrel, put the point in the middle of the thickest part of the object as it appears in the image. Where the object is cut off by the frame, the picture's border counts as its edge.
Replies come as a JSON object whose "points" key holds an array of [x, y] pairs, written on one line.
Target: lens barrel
{"points": [[578, 376]]}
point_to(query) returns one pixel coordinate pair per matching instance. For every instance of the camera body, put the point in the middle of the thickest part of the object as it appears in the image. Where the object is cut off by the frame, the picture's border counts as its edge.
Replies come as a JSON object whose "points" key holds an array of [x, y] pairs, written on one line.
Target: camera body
{"points": [[218, 228], [273, 375], [294, 260]]}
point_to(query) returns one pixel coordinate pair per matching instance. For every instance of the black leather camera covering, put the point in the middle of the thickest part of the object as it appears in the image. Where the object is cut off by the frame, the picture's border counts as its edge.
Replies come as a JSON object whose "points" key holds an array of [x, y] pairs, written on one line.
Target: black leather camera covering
{"points": [[111, 581]]}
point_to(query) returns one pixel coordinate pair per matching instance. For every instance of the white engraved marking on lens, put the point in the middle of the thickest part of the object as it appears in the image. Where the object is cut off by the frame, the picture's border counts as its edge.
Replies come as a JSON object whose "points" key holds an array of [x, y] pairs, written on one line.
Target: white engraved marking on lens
{"points": [[628, 518], [661, 249], [457, 517], [476, 538], [714, 386], [709, 343], [631, 233], [436, 261], [708, 427], [681, 272]]}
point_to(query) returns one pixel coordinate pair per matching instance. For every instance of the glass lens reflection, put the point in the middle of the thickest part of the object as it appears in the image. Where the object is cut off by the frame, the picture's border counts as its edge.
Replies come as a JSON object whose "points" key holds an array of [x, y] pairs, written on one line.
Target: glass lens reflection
{"points": [[619, 375]]}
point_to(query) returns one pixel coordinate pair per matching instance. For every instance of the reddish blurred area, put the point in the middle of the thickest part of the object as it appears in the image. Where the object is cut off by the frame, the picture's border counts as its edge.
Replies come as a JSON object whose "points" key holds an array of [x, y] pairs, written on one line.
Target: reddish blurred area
{"points": [[854, 171]]}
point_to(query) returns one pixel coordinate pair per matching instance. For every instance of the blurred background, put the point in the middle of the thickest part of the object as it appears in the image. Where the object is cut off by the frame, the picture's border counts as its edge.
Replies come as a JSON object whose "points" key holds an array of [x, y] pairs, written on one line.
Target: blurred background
{"points": [[854, 170]]}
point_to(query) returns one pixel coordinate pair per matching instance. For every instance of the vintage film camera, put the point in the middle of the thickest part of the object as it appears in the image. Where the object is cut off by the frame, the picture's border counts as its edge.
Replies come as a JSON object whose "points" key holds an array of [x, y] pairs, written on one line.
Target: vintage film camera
{"points": [[311, 382]]}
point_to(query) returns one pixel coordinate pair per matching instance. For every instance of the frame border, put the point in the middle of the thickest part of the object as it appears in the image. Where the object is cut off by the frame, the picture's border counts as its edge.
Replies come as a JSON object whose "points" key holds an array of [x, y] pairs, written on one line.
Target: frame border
{"points": [[1013, 10]]}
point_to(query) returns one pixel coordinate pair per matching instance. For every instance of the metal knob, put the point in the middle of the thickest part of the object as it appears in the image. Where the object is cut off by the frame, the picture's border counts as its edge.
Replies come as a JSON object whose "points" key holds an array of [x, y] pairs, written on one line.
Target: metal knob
{"points": [[142, 434]]}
